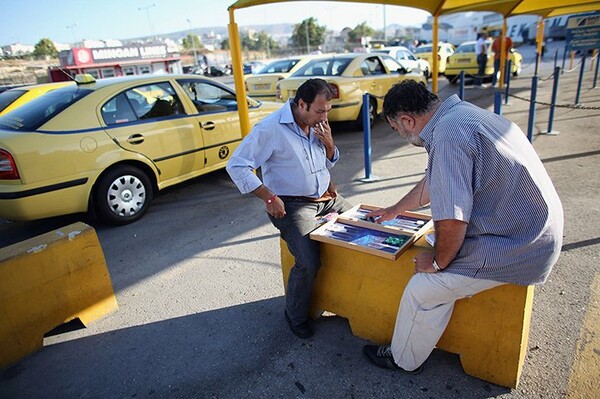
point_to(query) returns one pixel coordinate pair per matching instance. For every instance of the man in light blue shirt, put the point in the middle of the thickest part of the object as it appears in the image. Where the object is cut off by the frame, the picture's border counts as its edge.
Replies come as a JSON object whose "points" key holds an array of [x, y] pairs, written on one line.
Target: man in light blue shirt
{"points": [[294, 149]]}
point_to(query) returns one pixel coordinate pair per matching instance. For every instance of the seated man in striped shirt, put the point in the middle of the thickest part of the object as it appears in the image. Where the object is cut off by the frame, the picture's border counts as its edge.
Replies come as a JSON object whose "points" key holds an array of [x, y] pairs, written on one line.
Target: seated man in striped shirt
{"points": [[497, 216]]}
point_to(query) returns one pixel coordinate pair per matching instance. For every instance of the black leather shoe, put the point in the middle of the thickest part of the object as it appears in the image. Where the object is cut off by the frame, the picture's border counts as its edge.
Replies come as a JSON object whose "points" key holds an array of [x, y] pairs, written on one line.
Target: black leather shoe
{"points": [[301, 330], [381, 356]]}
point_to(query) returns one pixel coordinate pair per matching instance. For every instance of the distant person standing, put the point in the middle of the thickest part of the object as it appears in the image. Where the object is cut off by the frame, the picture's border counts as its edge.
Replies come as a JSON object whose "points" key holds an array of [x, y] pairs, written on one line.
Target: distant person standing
{"points": [[481, 51], [497, 49]]}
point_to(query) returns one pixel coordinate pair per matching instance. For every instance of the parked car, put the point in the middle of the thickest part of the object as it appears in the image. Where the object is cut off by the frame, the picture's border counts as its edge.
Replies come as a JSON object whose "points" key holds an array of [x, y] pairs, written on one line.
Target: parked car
{"points": [[445, 50], [465, 59], [351, 75], [253, 67], [13, 98], [110, 145], [263, 84], [407, 59]]}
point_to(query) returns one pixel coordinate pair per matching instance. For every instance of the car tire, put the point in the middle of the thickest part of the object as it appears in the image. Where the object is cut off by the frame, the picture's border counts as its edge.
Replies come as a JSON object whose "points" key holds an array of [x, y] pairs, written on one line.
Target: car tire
{"points": [[517, 72], [122, 195], [358, 124], [453, 79]]}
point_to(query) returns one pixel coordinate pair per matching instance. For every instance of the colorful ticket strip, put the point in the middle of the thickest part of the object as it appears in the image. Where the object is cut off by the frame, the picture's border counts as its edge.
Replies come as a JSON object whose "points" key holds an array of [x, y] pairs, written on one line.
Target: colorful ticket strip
{"points": [[364, 237]]}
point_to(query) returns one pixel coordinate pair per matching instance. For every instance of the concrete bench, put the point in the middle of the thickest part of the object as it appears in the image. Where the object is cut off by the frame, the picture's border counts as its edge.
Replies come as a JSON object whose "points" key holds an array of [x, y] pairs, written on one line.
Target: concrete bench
{"points": [[489, 330], [47, 281]]}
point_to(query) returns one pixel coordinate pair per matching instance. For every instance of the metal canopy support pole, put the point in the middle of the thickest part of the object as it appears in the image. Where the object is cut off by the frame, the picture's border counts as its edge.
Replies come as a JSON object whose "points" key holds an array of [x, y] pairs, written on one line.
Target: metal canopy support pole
{"points": [[503, 52], [238, 74], [434, 55]]}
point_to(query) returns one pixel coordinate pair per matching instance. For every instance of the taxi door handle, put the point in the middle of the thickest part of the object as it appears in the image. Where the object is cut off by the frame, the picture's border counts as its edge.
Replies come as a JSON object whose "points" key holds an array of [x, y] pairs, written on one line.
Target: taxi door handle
{"points": [[207, 125], [135, 139]]}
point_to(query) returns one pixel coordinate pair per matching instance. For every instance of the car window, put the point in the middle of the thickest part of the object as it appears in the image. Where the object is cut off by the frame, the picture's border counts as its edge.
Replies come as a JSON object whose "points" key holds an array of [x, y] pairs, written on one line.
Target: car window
{"points": [[282, 66], [374, 66], [423, 49], [8, 97], [466, 48], [156, 100], [208, 97], [38, 111], [324, 67], [391, 64]]}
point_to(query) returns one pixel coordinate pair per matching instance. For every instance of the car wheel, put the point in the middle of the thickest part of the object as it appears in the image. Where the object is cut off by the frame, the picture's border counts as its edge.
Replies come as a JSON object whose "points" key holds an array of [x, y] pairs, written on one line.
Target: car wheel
{"points": [[122, 195], [452, 79], [517, 71], [372, 115], [426, 74]]}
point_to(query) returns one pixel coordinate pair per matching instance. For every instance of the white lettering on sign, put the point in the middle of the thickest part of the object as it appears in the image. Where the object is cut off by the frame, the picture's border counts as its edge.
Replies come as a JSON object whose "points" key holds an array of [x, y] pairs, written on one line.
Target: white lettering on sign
{"points": [[114, 53], [153, 51]]}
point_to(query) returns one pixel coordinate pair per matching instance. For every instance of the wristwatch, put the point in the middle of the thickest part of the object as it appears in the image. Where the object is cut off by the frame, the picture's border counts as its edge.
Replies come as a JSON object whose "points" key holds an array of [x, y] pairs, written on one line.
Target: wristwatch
{"points": [[436, 267]]}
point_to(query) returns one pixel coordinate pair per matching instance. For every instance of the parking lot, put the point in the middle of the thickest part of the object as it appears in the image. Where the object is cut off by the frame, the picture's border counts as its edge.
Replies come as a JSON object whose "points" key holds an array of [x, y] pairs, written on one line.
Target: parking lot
{"points": [[200, 293]]}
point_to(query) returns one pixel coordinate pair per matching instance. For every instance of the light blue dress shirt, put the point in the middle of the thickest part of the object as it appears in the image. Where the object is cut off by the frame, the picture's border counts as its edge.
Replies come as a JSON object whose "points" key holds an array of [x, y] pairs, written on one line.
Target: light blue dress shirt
{"points": [[291, 163]]}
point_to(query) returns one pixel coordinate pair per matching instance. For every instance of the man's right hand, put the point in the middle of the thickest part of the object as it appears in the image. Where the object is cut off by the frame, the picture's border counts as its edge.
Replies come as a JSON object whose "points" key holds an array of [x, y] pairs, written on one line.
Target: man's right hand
{"points": [[276, 208], [383, 214]]}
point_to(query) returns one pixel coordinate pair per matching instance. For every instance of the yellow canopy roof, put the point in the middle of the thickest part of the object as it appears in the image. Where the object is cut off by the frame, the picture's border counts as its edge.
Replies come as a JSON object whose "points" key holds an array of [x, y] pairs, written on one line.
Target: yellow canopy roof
{"points": [[544, 8]]}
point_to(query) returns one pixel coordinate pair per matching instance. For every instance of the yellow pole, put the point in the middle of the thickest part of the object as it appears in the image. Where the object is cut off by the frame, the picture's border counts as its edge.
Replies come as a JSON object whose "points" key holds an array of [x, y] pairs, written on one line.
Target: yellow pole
{"points": [[503, 51], [238, 74], [539, 37], [434, 55]]}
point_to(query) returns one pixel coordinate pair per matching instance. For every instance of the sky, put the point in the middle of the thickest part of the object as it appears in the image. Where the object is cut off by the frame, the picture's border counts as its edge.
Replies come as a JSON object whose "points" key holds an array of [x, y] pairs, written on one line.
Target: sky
{"points": [[28, 21]]}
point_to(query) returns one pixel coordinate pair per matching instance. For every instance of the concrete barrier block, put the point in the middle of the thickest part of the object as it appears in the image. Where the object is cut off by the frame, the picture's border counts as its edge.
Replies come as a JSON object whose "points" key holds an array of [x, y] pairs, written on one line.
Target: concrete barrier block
{"points": [[489, 331], [47, 281]]}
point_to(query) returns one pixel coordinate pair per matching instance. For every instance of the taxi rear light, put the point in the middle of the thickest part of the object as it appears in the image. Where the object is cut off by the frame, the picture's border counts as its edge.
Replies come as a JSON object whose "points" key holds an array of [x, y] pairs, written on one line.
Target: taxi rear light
{"points": [[336, 90], [8, 168], [278, 92]]}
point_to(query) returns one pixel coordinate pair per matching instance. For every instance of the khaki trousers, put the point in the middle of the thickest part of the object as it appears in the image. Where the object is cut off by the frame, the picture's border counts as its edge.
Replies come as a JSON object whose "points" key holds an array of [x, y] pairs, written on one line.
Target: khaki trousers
{"points": [[424, 313]]}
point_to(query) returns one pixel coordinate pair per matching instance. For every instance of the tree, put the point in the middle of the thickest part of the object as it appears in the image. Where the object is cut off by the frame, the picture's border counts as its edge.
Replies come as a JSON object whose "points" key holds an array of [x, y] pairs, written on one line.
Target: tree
{"points": [[361, 30], [191, 42], [45, 47], [258, 42], [316, 34]]}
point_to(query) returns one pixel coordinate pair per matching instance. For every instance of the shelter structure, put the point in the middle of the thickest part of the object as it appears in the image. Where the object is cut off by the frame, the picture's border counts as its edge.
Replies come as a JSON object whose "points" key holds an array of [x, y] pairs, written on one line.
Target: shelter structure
{"points": [[507, 8]]}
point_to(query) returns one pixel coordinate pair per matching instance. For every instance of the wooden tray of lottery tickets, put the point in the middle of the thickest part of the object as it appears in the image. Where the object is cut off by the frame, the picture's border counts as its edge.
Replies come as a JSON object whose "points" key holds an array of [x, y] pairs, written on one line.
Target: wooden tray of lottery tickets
{"points": [[388, 239]]}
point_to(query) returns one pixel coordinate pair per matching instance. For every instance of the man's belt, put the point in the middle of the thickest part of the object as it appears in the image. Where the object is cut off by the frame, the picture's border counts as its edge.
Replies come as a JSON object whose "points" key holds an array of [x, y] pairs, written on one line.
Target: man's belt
{"points": [[291, 198]]}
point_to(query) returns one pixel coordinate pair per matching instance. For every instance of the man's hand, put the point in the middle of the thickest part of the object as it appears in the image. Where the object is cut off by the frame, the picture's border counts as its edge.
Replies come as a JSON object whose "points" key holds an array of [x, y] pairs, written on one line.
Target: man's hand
{"points": [[383, 214], [323, 132], [276, 208], [424, 262]]}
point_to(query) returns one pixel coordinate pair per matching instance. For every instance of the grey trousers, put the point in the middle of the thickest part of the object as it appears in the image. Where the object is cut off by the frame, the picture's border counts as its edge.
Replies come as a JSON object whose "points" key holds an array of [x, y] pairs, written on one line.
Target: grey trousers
{"points": [[295, 226]]}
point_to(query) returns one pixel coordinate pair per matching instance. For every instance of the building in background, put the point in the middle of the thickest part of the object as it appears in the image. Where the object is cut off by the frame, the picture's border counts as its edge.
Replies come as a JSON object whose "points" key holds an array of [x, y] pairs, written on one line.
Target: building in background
{"points": [[105, 62]]}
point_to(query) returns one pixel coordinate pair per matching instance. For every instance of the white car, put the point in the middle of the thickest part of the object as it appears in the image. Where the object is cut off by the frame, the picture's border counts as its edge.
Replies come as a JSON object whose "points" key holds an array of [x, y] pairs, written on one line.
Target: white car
{"points": [[407, 59]]}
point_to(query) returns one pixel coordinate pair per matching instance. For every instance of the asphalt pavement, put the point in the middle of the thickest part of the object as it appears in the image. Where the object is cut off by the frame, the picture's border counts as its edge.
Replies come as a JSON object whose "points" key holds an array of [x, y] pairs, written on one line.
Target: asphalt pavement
{"points": [[200, 292]]}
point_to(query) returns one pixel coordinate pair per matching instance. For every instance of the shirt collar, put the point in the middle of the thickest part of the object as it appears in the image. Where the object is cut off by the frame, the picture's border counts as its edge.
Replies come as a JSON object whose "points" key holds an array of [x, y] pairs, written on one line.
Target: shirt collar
{"points": [[427, 132], [287, 116]]}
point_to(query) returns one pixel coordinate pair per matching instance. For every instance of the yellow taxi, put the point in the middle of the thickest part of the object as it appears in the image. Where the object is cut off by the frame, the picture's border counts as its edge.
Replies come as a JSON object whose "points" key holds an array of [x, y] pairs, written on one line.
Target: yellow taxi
{"points": [[110, 145], [263, 84], [465, 59], [14, 98], [351, 75], [445, 50]]}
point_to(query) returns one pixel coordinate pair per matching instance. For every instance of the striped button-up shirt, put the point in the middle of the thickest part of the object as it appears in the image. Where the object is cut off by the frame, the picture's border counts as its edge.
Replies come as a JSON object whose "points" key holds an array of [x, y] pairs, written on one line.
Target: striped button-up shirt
{"points": [[291, 162], [482, 170]]}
